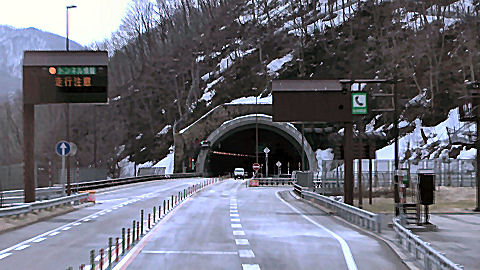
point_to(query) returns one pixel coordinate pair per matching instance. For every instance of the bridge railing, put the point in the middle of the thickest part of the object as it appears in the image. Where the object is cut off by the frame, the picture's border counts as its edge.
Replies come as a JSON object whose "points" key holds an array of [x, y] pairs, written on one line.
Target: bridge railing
{"points": [[275, 181], [16, 196], [40, 205], [128, 180], [423, 252]]}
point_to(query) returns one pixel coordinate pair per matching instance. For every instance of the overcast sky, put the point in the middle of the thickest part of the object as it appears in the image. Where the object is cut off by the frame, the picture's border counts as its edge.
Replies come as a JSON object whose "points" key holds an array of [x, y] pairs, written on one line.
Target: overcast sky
{"points": [[92, 20]]}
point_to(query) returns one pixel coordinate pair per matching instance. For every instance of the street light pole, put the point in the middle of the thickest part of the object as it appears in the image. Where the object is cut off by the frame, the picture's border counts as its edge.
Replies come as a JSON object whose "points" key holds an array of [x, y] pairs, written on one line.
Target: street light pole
{"points": [[67, 115]]}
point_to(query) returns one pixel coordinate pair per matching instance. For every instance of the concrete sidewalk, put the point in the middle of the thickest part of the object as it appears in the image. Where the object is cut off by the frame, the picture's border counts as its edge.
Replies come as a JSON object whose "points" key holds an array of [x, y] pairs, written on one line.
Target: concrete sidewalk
{"points": [[458, 237]]}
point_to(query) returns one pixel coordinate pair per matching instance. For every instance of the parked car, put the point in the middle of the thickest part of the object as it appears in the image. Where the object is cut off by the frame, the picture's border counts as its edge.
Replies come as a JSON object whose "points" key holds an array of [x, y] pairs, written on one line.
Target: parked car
{"points": [[239, 173]]}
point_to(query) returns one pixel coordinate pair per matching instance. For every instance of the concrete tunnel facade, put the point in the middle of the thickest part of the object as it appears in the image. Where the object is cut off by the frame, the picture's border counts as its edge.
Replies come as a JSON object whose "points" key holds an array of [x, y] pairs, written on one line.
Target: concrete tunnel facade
{"points": [[231, 128]]}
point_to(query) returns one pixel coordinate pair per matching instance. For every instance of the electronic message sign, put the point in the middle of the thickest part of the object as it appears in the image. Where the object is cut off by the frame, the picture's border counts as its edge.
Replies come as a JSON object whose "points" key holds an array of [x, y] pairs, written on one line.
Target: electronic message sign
{"points": [[65, 77]]}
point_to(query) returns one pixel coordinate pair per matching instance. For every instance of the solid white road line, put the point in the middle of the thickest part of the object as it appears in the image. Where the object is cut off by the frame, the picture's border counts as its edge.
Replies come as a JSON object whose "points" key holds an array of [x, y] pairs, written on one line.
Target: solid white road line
{"points": [[22, 247], [250, 267], [4, 255], [190, 252], [246, 253], [347, 253], [242, 242], [238, 233]]}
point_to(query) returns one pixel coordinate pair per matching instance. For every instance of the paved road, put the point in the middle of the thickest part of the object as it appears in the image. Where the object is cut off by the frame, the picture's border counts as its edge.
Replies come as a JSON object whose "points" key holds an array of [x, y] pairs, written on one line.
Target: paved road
{"points": [[66, 240], [229, 226]]}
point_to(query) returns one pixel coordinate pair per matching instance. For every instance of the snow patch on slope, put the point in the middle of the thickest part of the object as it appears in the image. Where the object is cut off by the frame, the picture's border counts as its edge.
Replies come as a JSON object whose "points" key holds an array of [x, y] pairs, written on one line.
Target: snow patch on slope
{"points": [[166, 162]]}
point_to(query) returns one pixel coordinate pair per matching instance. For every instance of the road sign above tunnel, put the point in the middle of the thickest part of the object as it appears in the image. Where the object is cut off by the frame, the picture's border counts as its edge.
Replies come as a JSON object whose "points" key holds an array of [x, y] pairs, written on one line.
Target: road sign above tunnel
{"points": [[311, 101], [65, 77]]}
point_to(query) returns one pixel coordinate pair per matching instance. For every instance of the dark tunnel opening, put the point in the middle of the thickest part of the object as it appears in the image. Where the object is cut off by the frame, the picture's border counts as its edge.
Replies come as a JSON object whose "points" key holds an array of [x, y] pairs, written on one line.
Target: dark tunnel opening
{"points": [[236, 149]]}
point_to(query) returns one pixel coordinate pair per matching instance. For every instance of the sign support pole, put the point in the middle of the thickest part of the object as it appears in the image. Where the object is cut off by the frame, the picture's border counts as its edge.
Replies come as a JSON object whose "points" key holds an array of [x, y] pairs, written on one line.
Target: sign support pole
{"points": [[348, 159], [477, 170], [63, 174], [266, 165], [29, 152]]}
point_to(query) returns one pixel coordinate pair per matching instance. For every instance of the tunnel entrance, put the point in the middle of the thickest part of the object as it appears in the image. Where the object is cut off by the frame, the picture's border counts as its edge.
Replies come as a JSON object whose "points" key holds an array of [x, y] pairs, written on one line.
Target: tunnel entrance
{"points": [[236, 149]]}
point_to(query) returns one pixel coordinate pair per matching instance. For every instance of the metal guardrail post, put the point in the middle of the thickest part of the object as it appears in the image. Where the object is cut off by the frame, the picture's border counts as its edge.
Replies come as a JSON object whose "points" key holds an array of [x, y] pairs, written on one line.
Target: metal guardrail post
{"points": [[379, 224]]}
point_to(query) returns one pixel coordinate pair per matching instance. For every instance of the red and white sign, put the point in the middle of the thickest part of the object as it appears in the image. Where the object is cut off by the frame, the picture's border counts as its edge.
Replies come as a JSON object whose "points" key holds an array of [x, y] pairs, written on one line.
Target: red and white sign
{"points": [[256, 166]]}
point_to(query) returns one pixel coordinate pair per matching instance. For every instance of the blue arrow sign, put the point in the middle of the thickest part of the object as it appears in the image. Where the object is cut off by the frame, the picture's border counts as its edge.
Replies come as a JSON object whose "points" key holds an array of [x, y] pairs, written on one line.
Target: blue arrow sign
{"points": [[63, 148]]}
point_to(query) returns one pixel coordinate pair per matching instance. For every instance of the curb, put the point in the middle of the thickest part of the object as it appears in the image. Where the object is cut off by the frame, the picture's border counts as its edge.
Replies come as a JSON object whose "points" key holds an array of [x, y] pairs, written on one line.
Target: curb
{"points": [[406, 260]]}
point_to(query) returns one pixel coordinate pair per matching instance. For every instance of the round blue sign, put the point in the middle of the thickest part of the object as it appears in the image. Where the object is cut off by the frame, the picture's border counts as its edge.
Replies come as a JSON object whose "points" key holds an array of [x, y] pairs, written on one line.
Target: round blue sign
{"points": [[63, 148]]}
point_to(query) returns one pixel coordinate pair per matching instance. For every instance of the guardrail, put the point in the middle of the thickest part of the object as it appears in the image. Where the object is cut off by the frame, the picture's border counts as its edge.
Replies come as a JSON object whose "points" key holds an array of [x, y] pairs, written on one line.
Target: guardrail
{"points": [[129, 180], [38, 191], [275, 181], [16, 196], [298, 189], [22, 209], [352, 214], [423, 252]]}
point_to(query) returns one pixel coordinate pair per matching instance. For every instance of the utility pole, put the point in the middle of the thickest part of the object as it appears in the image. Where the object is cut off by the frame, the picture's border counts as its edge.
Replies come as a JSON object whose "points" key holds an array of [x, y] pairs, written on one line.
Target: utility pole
{"points": [[396, 134], [67, 116]]}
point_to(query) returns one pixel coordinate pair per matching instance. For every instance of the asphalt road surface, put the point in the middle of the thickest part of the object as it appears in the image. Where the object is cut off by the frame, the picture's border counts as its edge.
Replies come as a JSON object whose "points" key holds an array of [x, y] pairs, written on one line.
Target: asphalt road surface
{"points": [[229, 226], [66, 240]]}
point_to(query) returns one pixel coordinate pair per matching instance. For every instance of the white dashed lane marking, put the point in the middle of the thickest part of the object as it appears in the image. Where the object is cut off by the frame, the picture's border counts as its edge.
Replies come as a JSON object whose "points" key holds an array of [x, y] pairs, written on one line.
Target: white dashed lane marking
{"points": [[250, 267], [234, 220], [4, 255], [38, 240], [22, 247], [76, 224], [238, 233], [236, 226], [66, 228], [54, 233], [246, 253], [234, 215], [242, 242]]}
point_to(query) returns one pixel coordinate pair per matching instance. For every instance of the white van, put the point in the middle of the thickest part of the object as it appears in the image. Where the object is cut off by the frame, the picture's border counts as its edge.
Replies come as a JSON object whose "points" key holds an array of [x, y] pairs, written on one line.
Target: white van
{"points": [[239, 173]]}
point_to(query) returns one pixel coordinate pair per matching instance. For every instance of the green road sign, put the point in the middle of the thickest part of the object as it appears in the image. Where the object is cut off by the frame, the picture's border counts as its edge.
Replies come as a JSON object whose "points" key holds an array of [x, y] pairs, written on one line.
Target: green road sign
{"points": [[359, 103]]}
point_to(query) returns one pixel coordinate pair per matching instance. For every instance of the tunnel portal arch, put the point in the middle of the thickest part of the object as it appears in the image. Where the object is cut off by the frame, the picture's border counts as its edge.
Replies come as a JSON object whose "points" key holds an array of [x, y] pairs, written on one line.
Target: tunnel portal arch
{"points": [[286, 130]]}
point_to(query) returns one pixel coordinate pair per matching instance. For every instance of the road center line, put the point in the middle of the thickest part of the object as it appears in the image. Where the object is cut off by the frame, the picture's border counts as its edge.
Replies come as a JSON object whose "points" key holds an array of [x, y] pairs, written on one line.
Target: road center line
{"points": [[347, 253]]}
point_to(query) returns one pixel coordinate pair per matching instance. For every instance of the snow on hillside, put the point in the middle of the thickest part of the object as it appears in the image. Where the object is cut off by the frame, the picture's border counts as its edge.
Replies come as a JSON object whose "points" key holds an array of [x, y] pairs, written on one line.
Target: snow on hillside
{"points": [[436, 143], [166, 162], [252, 100]]}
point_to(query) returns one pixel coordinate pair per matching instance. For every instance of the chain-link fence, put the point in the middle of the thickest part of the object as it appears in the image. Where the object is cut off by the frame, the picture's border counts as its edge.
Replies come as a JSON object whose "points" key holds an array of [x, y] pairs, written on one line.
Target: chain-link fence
{"points": [[448, 172]]}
